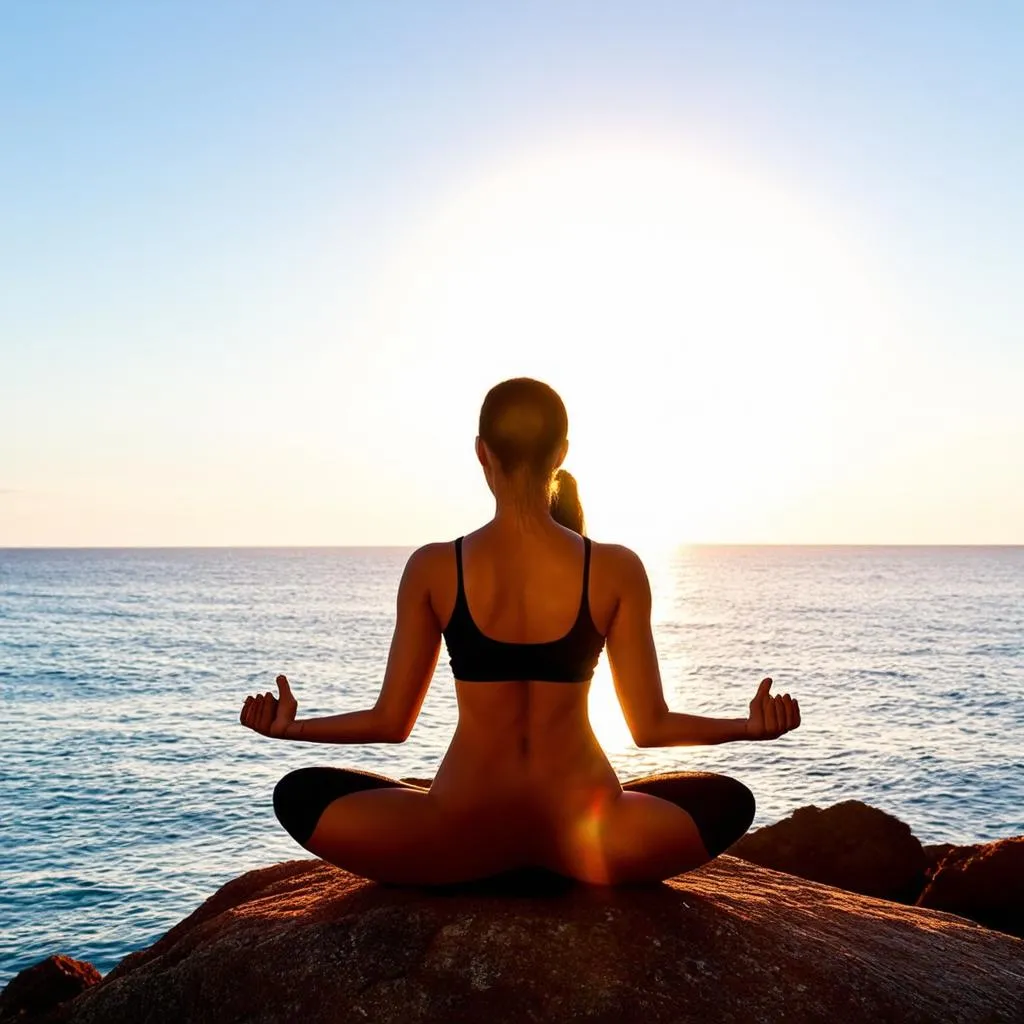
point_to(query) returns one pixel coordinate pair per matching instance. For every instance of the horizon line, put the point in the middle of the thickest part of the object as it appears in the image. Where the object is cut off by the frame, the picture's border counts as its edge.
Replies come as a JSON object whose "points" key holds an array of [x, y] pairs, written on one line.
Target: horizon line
{"points": [[393, 547]]}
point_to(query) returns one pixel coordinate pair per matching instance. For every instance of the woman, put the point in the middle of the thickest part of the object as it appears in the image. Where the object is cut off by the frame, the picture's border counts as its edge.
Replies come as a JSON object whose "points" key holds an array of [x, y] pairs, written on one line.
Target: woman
{"points": [[525, 605]]}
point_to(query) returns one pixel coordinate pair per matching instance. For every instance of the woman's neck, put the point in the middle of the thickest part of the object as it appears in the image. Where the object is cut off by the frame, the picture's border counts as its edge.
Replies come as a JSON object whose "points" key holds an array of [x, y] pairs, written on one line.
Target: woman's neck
{"points": [[520, 516]]}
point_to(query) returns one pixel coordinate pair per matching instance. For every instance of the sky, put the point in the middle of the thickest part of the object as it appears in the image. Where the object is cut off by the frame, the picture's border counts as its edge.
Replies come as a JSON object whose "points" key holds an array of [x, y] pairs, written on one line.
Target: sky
{"points": [[260, 262]]}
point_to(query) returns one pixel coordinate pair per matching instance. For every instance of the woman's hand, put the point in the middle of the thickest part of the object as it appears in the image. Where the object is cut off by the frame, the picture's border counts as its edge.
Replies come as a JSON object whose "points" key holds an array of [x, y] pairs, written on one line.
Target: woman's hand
{"points": [[771, 716], [269, 715]]}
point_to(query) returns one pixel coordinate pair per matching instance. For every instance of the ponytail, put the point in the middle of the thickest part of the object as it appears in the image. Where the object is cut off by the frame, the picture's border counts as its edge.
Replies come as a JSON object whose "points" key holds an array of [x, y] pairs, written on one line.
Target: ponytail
{"points": [[566, 509]]}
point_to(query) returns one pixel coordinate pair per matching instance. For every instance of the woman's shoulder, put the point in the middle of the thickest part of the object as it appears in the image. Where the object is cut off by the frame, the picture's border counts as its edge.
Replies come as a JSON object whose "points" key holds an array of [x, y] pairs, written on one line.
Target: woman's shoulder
{"points": [[620, 566], [428, 556], [616, 554]]}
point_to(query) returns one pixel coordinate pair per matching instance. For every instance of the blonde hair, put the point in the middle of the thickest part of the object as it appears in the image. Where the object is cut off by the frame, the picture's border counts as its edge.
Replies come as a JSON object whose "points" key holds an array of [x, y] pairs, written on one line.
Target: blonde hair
{"points": [[524, 423]]}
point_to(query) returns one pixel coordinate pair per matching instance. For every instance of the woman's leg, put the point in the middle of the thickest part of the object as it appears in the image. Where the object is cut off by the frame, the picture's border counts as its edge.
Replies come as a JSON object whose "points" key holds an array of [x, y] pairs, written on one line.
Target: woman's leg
{"points": [[657, 827], [390, 831], [722, 808], [385, 829], [301, 796]]}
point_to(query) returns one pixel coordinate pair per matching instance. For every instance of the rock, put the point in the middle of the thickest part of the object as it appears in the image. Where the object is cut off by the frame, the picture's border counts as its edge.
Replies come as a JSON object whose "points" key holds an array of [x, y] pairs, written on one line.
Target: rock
{"points": [[306, 942], [984, 882], [32, 993], [849, 845], [936, 853]]}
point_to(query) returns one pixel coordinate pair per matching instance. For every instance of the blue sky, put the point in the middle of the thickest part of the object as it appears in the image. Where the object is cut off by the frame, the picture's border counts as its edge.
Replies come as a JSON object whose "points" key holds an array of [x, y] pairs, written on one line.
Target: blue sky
{"points": [[195, 200]]}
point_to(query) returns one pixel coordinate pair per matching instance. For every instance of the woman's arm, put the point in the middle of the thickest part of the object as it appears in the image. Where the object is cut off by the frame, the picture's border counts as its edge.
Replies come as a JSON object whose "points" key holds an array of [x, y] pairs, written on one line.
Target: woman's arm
{"points": [[415, 646], [349, 727], [637, 678]]}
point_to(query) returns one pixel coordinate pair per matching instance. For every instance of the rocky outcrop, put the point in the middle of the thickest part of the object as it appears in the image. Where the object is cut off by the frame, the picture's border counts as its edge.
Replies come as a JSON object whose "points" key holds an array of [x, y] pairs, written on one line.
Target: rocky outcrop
{"points": [[849, 845], [984, 882], [306, 942], [45, 985]]}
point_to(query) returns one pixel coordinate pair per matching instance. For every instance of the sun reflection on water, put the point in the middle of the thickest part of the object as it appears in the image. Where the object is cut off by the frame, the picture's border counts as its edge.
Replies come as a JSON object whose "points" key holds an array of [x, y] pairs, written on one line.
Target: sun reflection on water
{"points": [[605, 714]]}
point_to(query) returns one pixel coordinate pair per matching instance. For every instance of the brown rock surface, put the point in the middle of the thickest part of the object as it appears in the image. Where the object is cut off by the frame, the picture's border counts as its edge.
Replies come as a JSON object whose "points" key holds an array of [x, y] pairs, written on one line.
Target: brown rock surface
{"points": [[935, 853], [984, 882], [41, 987], [850, 845], [306, 942]]}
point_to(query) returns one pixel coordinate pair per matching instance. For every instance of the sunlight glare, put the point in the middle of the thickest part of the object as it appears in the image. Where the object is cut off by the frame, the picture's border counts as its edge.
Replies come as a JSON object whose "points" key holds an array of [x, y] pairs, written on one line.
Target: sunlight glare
{"points": [[696, 320], [605, 713]]}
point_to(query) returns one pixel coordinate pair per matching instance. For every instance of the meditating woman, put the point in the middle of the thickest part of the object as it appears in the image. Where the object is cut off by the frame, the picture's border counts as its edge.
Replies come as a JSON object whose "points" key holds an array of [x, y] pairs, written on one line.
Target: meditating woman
{"points": [[525, 604]]}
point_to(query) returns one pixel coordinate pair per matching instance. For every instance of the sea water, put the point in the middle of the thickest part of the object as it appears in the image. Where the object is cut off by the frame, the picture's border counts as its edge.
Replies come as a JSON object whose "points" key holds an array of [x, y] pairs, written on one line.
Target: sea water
{"points": [[129, 791]]}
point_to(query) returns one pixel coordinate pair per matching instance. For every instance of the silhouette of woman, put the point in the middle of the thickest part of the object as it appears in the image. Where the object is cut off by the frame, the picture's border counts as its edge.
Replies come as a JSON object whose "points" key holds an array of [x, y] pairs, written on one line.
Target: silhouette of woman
{"points": [[525, 604]]}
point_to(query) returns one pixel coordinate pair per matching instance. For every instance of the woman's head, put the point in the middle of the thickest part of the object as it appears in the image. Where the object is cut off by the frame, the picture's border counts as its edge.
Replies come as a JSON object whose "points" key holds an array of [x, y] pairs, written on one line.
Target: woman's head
{"points": [[524, 436]]}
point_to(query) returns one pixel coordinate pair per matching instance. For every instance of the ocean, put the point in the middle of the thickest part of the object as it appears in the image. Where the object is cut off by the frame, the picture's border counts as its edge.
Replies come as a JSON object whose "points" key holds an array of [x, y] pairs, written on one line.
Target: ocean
{"points": [[129, 792]]}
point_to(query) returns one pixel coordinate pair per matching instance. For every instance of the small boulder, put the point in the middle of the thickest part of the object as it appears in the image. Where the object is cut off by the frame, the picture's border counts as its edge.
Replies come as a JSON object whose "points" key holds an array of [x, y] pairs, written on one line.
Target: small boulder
{"points": [[35, 991], [850, 845], [984, 882]]}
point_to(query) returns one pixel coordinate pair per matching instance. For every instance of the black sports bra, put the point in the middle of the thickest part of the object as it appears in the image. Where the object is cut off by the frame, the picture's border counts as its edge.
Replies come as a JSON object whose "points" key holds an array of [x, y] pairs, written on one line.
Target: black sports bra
{"points": [[476, 658]]}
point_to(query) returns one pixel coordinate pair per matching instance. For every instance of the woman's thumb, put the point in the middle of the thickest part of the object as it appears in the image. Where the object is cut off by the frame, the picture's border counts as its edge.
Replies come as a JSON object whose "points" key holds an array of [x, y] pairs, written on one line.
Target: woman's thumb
{"points": [[283, 687]]}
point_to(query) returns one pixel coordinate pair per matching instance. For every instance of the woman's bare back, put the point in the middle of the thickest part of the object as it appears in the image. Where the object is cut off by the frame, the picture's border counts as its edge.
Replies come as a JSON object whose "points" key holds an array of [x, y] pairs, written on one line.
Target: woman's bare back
{"points": [[524, 781]]}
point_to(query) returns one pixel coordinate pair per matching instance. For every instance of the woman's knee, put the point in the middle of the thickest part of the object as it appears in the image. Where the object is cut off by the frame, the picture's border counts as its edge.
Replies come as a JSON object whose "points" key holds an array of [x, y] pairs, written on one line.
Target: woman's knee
{"points": [[746, 805], [301, 796], [722, 807], [735, 809], [298, 803]]}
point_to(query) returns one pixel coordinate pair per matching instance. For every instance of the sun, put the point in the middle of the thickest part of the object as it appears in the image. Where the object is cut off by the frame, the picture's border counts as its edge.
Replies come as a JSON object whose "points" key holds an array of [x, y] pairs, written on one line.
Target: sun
{"points": [[697, 320]]}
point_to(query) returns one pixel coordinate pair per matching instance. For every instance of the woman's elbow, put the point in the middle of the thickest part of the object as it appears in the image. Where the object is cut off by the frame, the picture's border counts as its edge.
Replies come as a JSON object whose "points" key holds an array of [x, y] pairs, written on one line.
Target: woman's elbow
{"points": [[646, 741], [646, 734], [394, 731]]}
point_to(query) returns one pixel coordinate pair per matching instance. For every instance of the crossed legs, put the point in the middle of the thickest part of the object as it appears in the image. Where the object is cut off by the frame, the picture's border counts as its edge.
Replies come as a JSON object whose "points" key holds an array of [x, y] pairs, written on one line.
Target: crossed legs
{"points": [[391, 831]]}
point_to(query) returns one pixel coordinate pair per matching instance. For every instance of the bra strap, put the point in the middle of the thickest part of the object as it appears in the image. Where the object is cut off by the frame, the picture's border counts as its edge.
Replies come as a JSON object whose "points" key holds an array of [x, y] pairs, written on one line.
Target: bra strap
{"points": [[459, 594]]}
